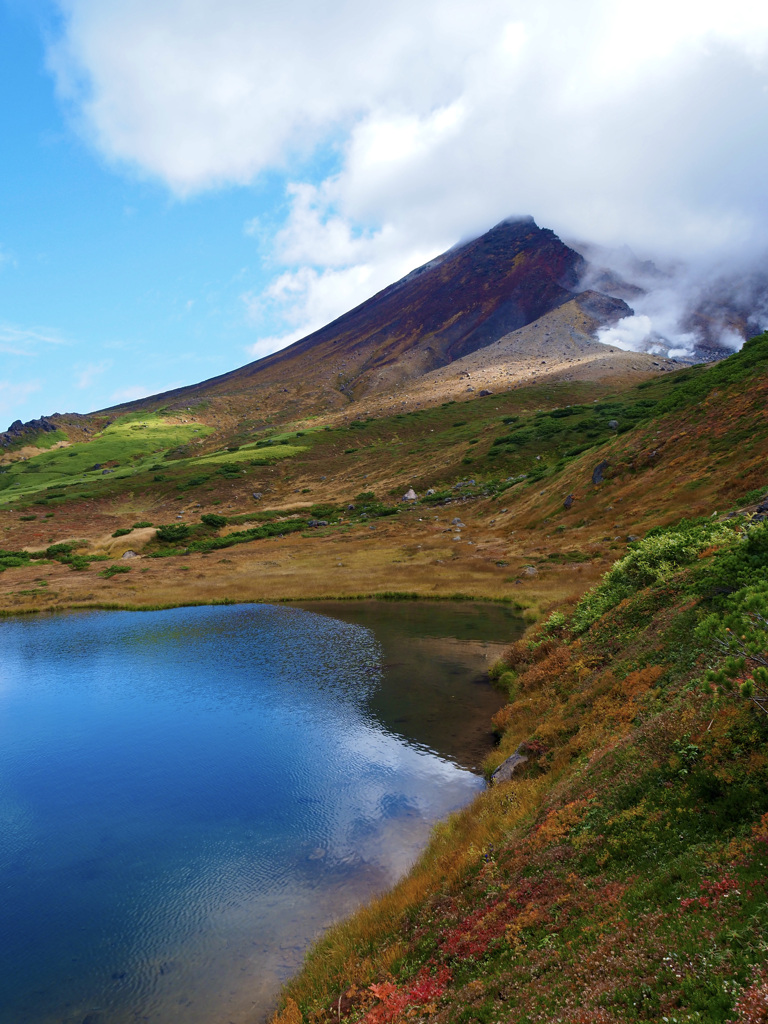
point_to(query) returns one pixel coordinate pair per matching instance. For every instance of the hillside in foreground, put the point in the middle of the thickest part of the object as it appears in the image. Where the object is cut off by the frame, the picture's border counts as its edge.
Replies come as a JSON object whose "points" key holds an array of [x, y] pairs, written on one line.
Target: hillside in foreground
{"points": [[619, 874]]}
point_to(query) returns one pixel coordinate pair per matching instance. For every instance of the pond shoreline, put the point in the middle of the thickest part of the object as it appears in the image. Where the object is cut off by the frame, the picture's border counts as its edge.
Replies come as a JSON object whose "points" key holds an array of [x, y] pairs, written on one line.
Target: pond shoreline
{"points": [[118, 606]]}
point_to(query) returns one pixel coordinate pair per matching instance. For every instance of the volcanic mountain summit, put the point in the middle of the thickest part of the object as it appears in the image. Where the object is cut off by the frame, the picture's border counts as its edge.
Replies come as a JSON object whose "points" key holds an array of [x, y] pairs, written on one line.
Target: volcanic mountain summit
{"points": [[460, 302], [496, 309]]}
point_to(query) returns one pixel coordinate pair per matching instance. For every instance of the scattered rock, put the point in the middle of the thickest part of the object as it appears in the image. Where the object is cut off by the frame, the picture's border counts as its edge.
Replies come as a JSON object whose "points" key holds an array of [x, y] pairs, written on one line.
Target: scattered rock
{"points": [[507, 768], [568, 502], [530, 570], [613, 424], [597, 472], [129, 554], [410, 495], [484, 392], [631, 537], [350, 508], [317, 522], [256, 495], [430, 492]]}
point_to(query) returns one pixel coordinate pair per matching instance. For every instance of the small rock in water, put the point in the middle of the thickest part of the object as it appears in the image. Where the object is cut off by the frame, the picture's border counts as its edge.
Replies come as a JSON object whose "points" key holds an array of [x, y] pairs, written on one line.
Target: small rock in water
{"points": [[317, 854]]}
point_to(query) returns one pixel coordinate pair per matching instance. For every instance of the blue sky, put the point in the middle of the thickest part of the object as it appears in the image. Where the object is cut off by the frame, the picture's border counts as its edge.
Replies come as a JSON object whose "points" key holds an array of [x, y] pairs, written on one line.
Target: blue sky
{"points": [[188, 184], [110, 286]]}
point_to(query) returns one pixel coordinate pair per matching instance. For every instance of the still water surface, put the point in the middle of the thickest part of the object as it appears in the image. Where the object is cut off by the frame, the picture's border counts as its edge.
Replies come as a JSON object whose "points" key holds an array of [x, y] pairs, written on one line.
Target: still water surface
{"points": [[188, 797]]}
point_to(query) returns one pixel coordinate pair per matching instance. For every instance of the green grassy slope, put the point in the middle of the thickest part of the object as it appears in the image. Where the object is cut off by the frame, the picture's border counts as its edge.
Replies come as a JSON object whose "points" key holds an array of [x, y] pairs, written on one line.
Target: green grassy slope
{"points": [[133, 449], [621, 875], [537, 431]]}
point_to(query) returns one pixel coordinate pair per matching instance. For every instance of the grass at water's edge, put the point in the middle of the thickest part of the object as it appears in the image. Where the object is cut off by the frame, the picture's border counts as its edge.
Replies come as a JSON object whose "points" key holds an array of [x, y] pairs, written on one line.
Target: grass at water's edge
{"points": [[386, 595], [623, 874]]}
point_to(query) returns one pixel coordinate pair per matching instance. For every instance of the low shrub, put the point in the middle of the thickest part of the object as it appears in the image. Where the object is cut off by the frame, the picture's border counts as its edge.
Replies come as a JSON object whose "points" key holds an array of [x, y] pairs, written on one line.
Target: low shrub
{"points": [[173, 533], [213, 519]]}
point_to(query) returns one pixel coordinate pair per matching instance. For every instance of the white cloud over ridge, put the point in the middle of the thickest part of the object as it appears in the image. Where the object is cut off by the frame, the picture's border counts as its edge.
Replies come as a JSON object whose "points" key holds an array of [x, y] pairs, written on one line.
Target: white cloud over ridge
{"points": [[612, 121]]}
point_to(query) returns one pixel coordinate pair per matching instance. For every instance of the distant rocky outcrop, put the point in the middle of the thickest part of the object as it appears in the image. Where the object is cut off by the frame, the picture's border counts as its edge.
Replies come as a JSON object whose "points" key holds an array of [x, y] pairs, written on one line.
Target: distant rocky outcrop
{"points": [[19, 431]]}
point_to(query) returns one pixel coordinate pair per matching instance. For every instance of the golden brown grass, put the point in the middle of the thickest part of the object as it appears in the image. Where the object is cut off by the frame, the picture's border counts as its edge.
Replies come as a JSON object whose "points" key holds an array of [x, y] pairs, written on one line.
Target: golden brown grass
{"points": [[364, 946], [548, 554]]}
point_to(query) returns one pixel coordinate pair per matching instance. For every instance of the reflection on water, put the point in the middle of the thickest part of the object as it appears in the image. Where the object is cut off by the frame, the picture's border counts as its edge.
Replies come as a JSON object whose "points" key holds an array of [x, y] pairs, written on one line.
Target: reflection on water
{"points": [[188, 797], [436, 655]]}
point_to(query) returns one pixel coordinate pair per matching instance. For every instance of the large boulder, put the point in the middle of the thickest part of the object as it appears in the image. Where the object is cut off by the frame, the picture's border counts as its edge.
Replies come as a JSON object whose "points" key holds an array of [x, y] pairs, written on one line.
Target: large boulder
{"points": [[507, 768]]}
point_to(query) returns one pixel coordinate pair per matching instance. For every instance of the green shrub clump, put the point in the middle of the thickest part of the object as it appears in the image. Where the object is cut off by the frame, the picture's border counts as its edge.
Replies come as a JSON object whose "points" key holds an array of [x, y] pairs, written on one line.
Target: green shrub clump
{"points": [[114, 570], [172, 533], [213, 519], [653, 561]]}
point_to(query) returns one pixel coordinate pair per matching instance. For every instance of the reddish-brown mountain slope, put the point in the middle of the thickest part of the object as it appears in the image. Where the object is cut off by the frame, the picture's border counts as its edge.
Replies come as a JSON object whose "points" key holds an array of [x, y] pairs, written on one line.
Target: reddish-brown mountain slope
{"points": [[456, 304]]}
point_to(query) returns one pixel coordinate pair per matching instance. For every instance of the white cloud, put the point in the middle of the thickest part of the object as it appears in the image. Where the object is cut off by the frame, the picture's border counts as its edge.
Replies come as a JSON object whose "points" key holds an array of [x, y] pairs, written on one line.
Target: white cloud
{"points": [[601, 115], [25, 341], [606, 120], [205, 92], [334, 266], [631, 333], [86, 375]]}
